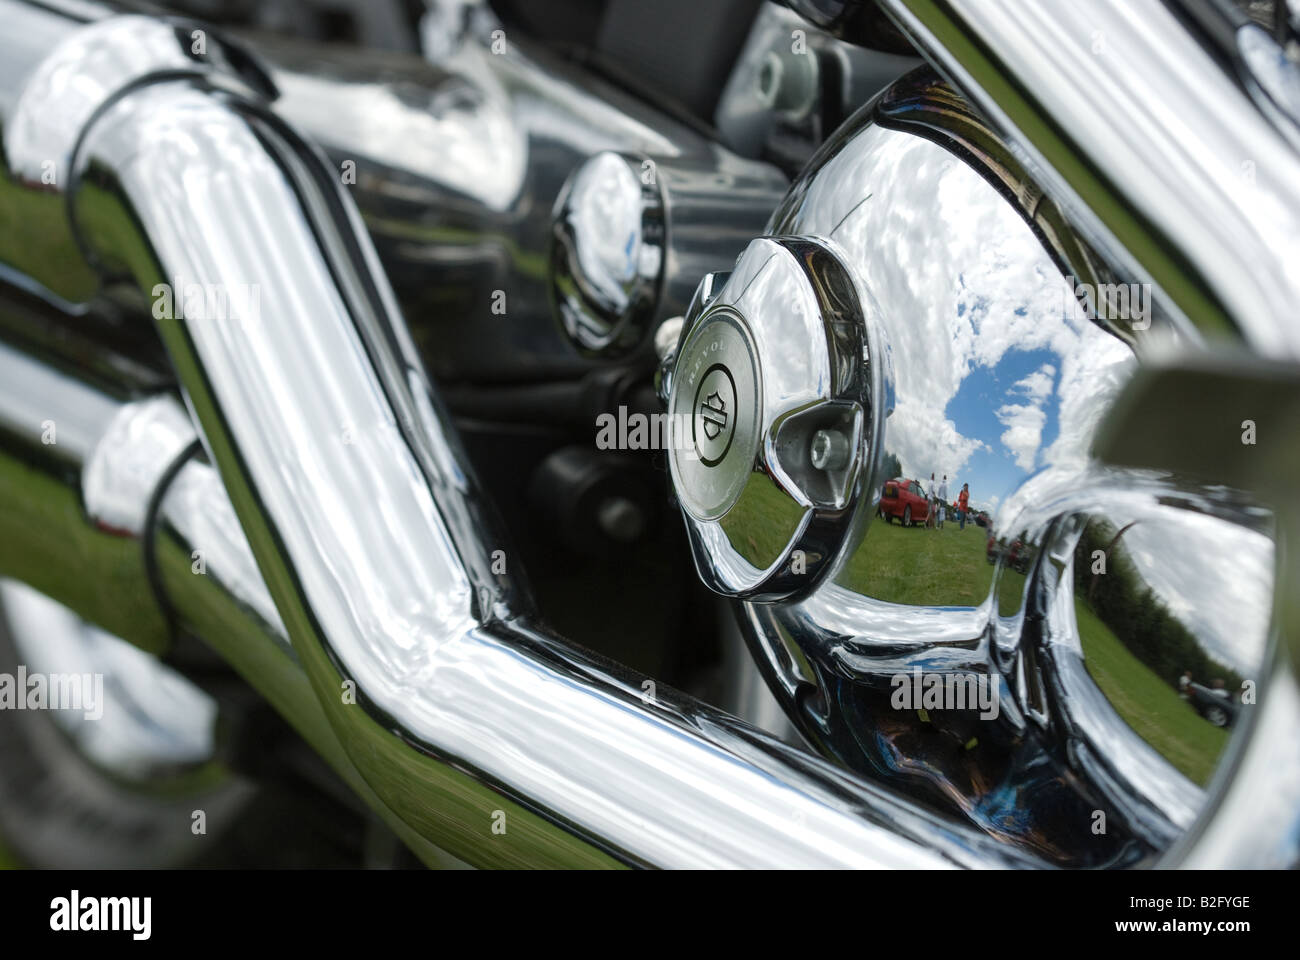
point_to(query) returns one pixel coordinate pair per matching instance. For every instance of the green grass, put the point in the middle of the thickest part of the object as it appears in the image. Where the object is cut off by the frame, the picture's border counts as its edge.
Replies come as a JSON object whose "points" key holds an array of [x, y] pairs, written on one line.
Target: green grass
{"points": [[1149, 705], [922, 567]]}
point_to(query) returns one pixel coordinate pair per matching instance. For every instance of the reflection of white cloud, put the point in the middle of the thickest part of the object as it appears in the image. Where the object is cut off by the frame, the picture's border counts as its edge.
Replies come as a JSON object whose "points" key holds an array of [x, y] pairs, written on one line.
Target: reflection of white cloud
{"points": [[1025, 421], [1214, 576], [930, 444], [1024, 432], [1038, 385]]}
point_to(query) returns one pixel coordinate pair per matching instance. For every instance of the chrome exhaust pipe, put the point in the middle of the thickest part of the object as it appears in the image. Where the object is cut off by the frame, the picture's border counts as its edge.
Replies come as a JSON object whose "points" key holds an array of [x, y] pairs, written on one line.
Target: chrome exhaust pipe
{"points": [[474, 731]]}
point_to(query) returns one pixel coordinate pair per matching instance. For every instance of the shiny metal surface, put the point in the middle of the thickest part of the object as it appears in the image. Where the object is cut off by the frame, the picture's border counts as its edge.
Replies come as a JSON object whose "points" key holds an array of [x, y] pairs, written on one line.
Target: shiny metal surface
{"points": [[607, 254], [52, 427], [205, 577], [140, 444], [1276, 76], [364, 521], [211, 585], [632, 236], [83, 71], [147, 720], [337, 460], [456, 167], [794, 78], [1177, 156], [1203, 174], [1181, 416], [996, 363], [745, 409]]}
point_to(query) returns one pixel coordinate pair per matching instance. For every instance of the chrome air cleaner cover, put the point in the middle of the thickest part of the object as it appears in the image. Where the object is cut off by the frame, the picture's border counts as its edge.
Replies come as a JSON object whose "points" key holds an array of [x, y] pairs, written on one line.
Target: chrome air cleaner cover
{"points": [[920, 307], [770, 398]]}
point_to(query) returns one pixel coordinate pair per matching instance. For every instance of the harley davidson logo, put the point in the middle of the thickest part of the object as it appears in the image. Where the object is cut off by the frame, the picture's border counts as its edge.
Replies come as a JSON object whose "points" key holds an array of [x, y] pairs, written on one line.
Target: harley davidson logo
{"points": [[715, 415], [713, 411]]}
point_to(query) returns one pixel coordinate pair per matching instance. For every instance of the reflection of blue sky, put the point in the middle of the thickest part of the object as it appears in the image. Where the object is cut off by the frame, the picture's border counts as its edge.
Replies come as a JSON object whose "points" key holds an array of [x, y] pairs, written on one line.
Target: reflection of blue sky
{"points": [[1004, 401]]}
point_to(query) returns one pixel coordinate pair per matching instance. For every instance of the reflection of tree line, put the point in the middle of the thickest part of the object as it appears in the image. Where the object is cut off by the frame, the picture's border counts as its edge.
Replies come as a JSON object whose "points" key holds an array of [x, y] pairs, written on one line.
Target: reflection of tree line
{"points": [[891, 468], [1123, 601]]}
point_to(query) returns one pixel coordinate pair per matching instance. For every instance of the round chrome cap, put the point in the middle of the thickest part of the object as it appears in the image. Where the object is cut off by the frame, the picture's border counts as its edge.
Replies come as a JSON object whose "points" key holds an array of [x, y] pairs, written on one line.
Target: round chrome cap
{"points": [[715, 412], [607, 254], [769, 400]]}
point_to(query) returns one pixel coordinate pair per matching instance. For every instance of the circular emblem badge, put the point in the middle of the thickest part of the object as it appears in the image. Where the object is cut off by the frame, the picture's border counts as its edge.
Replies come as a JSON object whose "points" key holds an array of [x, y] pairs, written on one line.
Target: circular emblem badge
{"points": [[715, 413], [714, 423]]}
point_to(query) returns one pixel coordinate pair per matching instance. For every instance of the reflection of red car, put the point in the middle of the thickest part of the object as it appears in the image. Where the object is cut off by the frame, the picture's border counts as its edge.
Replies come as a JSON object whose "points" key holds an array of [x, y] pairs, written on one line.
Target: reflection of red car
{"points": [[904, 500]]}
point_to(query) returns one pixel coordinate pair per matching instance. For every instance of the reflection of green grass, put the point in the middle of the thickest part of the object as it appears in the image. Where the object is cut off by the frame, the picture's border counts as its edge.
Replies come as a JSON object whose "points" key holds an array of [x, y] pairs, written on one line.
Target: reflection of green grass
{"points": [[46, 541], [919, 566], [7, 861], [1148, 704], [762, 521], [49, 255]]}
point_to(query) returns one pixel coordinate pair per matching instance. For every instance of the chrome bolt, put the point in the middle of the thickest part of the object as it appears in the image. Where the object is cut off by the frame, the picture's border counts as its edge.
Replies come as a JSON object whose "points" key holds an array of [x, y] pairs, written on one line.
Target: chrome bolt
{"points": [[829, 450]]}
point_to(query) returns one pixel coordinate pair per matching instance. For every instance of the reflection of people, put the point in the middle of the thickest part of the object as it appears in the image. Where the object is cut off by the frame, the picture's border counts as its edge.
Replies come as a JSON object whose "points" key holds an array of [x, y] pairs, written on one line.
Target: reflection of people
{"points": [[943, 498], [932, 494], [963, 499], [1184, 682], [1218, 689]]}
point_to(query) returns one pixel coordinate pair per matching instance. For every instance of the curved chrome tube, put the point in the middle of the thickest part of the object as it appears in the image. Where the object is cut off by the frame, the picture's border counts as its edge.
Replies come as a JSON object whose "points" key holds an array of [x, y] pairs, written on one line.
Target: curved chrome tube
{"points": [[368, 601], [480, 733]]}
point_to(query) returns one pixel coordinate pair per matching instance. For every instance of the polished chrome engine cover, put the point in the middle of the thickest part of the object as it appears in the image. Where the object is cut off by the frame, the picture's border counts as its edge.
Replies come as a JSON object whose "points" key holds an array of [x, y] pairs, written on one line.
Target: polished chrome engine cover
{"points": [[920, 307]]}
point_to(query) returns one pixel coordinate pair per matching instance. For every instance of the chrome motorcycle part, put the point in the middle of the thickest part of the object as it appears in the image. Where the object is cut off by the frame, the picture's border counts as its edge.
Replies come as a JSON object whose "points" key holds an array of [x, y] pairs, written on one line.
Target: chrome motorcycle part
{"points": [[762, 517], [1230, 216], [332, 444], [80, 537], [633, 234], [456, 167], [861, 21], [112, 775], [793, 83], [154, 721], [607, 254], [1172, 420], [997, 368], [466, 708]]}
